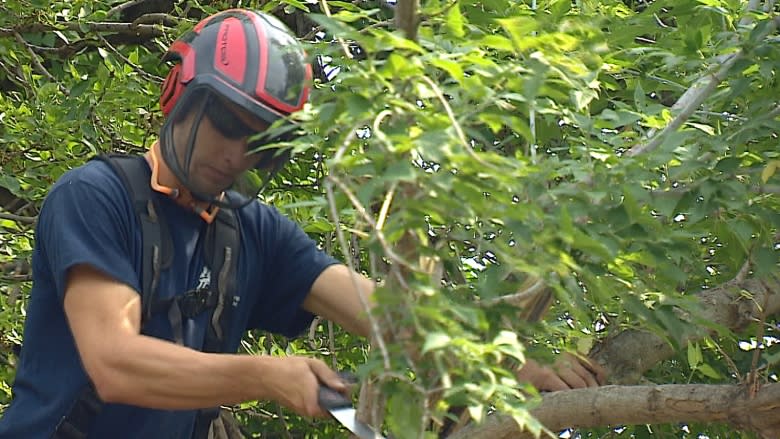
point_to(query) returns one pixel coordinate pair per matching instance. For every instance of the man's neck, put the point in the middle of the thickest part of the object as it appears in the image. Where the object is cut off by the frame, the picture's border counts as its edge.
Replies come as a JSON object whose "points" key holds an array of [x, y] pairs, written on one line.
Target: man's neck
{"points": [[164, 181]]}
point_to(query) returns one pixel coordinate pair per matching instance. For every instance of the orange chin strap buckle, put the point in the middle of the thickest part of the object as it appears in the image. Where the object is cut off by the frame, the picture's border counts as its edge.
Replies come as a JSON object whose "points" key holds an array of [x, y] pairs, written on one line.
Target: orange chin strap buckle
{"points": [[181, 196]]}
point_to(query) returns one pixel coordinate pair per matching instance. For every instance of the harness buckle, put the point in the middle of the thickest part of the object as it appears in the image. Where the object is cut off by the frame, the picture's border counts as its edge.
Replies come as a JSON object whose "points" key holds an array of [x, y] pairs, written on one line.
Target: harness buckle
{"points": [[194, 302]]}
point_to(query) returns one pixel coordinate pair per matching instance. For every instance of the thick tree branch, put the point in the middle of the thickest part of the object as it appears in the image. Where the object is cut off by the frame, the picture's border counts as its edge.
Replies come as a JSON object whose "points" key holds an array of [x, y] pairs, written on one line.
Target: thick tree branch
{"points": [[735, 305], [636, 405], [628, 355], [406, 18]]}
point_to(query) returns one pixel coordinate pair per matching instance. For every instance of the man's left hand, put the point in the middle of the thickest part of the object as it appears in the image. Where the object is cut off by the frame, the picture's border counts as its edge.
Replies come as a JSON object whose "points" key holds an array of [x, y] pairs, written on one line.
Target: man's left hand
{"points": [[568, 372]]}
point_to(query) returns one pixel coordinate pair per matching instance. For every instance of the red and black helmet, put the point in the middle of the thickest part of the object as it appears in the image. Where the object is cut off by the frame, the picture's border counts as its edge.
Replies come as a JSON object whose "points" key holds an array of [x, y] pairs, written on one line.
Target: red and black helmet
{"points": [[247, 57]]}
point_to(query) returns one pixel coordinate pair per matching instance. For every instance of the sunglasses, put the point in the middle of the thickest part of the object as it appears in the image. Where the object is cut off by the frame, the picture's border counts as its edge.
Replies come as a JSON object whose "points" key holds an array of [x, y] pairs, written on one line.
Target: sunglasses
{"points": [[226, 121], [230, 126]]}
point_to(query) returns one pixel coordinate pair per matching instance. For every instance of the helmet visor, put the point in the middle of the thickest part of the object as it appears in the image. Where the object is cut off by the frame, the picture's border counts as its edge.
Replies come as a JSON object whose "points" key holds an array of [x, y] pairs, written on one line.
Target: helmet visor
{"points": [[223, 154]]}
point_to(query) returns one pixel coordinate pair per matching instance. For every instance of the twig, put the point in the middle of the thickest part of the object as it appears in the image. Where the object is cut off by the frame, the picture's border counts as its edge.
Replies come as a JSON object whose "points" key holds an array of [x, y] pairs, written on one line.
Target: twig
{"points": [[341, 41], [37, 63], [280, 415], [752, 378], [694, 96], [380, 222], [688, 102], [454, 120], [729, 361], [376, 332], [743, 272], [19, 218], [144, 74], [519, 297], [15, 77], [126, 5], [332, 345], [157, 18], [343, 148], [313, 330], [362, 211]]}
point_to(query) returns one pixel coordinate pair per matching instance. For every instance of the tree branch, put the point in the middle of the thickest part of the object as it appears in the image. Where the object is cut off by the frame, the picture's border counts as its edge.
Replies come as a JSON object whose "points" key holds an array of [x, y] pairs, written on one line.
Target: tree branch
{"points": [[406, 18], [117, 10], [694, 96], [130, 29], [38, 66], [19, 218], [636, 405], [734, 305]]}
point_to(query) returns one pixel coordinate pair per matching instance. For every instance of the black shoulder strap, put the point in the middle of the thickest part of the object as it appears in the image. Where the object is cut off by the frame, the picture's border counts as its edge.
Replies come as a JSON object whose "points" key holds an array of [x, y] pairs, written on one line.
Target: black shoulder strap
{"points": [[157, 250], [222, 247]]}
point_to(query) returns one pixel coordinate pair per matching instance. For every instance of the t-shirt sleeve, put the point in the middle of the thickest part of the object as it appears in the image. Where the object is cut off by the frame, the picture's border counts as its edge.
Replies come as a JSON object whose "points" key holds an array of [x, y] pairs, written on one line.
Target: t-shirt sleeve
{"points": [[293, 263], [87, 219]]}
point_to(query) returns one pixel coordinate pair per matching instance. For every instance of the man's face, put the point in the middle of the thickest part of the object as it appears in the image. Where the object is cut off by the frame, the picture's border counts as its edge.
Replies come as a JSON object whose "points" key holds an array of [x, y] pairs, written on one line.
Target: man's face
{"points": [[219, 154]]}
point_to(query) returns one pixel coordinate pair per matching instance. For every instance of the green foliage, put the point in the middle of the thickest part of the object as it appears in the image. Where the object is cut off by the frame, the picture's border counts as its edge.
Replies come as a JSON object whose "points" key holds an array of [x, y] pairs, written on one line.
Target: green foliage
{"points": [[498, 146]]}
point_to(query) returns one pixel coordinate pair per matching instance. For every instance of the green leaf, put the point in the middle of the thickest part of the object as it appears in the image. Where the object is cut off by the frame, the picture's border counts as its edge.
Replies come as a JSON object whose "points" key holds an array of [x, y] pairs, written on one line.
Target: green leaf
{"points": [[496, 42], [297, 5], [455, 21], [519, 28], [559, 8], [451, 67], [435, 340], [476, 412], [708, 371], [694, 355], [728, 164], [10, 183], [769, 170], [765, 261]]}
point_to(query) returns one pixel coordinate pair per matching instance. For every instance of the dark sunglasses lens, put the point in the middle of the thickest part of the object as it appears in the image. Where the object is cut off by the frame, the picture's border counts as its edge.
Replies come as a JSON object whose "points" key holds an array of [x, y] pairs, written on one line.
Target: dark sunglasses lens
{"points": [[226, 122]]}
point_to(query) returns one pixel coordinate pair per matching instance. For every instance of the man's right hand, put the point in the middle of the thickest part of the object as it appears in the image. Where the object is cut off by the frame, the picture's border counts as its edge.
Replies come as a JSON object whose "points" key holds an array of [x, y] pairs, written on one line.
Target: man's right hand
{"points": [[294, 382]]}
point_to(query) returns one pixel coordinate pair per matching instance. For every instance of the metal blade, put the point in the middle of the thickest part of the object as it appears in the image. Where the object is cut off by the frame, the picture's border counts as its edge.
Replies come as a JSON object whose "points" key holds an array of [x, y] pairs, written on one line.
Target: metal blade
{"points": [[347, 416]]}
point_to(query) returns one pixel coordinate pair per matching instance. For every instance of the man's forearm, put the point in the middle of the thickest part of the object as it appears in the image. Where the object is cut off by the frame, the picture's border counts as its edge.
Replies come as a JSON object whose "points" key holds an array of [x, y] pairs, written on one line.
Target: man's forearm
{"points": [[148, 372]]}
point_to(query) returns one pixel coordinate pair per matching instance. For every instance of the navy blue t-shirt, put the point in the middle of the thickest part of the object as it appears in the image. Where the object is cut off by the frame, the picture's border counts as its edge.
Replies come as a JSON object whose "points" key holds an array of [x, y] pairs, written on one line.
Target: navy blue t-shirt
{"points": [[88, 218]]}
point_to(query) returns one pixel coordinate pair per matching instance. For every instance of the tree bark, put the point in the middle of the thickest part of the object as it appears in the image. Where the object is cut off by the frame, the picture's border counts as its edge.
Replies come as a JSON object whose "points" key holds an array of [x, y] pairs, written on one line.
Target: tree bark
{"points": [[632, 405], [631, 353]]}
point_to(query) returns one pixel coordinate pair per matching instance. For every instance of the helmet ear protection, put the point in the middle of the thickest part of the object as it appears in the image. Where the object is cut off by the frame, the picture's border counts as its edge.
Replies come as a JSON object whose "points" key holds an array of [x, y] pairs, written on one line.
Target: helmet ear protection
{"points": [[172, 90]]}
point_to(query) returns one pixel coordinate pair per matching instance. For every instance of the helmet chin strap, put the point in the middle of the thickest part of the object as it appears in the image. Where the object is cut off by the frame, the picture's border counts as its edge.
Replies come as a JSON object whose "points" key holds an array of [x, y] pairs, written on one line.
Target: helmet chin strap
{"points": [[181, 195]]}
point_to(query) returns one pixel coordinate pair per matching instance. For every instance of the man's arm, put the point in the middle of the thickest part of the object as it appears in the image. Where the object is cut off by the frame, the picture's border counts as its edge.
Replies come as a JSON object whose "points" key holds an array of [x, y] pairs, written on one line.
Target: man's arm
{"points": [[130, 368], [334, 295]]}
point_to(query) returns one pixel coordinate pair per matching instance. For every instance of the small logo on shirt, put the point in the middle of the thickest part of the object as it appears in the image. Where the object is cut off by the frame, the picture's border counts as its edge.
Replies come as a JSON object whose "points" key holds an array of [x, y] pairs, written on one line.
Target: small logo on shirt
{"points": [[204, 280]]}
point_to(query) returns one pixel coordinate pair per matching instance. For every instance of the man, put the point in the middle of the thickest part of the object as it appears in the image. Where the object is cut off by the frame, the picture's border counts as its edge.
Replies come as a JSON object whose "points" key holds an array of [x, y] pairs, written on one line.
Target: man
{"points": [[237, 74]]}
